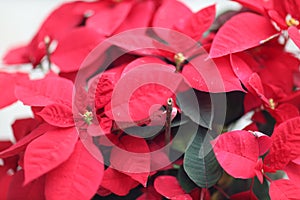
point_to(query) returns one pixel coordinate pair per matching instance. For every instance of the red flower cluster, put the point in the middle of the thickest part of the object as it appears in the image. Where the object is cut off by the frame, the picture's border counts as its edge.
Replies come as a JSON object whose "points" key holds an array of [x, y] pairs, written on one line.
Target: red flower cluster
{"points": [[138, 109]]}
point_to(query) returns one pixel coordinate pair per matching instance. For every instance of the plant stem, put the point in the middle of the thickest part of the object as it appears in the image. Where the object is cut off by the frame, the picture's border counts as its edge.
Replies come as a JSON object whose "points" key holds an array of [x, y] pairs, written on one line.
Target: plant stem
{"points": [[268, 178], [252, 184], [47, 41], [222, 191], [168, 121]]}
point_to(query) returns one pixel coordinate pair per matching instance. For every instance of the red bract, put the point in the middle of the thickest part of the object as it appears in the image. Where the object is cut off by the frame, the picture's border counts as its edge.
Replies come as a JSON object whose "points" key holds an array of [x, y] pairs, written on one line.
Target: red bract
{"points": [[292, 170], [284, 189], [77, 178], [112, 90], [169, 13], [140, 16], [101, 87], [295, 35], [58, 115], [285, 14], [74, 47], [131, 157], [117, 182], [239, 34], [169, 187], [42, 93], [256, 5], [109, 12], [285, 147], [23, 127], [196, 24], [149, 82], [284, 112], [33, 190], [221, 77], [48, 151], [235, 147], [5, 180], [54, 27], [241, 69], [149, 193], [22, 143], [247, 195], [8, 82]]}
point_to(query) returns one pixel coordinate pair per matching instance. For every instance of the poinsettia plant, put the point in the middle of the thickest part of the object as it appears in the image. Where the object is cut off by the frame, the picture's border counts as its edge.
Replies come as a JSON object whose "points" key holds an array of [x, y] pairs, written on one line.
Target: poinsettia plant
{"points": [[147, 99]]}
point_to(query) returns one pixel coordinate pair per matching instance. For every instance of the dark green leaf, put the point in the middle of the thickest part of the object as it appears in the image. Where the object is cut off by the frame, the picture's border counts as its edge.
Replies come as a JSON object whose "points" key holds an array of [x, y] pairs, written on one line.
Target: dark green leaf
{"points": [[196, 106], [200, 162], [261, 190], [184, 135], [186, 183]]}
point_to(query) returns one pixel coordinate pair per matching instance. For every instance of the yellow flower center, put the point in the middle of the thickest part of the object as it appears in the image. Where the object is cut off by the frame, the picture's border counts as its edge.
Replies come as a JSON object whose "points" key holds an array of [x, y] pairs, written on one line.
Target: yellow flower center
{"points": [[272, 104], [290, 21], [88, 117], [179, 58]]}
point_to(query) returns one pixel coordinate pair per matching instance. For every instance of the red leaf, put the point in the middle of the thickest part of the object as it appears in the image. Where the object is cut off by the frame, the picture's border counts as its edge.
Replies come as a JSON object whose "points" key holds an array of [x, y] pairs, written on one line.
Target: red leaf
{"points": [[110, 12], [241, 69], [57, 24], [80, 100], [58, 115], [195, 25], [131, 157], [5, 144], [45, 91], [48, 151], [147, 85], [33, 190], [149, 193], [139, 16], [117, 182], [264, 142], [286, 146], [101, 87], [22, 143], [284, 112], [247, 195], [257, 86], [168, 186], [182, 197], [284, 189], [236, 147], [198, 193], [211, 75], [292, 170], [62, 19], [240, 33], [8, 83], [293, 99], [256, 5], [277, 75], [103, 192], [69, 55], [23, 127], [77, 178], [18, 55], [294, 35], [169, 13], [5, 180]]}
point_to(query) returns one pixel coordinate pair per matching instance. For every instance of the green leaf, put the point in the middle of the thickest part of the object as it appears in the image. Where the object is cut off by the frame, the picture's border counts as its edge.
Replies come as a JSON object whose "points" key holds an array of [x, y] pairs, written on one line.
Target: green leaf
{"points": [[200, 162], [197, 106], [261, 190], [186, 134], [184, 180]]}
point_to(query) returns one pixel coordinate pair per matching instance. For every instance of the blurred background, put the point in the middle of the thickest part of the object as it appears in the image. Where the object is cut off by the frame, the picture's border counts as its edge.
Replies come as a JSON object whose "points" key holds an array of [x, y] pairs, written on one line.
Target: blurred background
{"points": [[20, 19]]}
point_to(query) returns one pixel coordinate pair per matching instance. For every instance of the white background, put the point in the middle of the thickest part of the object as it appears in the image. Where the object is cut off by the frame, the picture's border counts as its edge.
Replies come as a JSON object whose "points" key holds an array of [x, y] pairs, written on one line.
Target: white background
{"points": [[19, 20]]}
